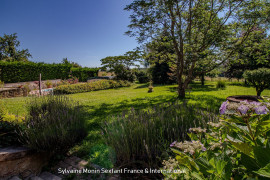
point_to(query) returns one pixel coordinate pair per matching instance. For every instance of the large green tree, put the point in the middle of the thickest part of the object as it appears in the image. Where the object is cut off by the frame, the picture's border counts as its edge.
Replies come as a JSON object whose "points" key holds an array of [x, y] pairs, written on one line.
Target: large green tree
{"points": [[253, 54], [197, 28], [121, 65], [9, 49]]}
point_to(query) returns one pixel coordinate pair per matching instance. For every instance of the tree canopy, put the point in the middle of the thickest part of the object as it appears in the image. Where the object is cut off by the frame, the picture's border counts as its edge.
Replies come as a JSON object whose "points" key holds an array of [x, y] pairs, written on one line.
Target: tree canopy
{"points": [[200, 30], [9, 49]]}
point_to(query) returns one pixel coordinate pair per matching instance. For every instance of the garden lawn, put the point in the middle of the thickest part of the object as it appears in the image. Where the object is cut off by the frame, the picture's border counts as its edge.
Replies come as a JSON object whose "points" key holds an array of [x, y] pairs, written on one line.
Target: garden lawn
{"points": [[100, 105]]}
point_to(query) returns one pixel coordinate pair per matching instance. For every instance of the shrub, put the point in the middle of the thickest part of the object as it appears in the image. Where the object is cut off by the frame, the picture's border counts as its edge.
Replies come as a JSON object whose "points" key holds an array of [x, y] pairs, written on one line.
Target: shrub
{"points": [[259, 78], [142, 77], [144, 137], [91, 86], [8, 127], [124, 73], [237, 147], [221, 84], [53, 124]]}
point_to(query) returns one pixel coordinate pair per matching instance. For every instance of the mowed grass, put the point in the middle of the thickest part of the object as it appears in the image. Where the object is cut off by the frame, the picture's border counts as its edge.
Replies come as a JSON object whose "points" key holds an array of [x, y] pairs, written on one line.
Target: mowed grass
{"points": [[101, 105]]}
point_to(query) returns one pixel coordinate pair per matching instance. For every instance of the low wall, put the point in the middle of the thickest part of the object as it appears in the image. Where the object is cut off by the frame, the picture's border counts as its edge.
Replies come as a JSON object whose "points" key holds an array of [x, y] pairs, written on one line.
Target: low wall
{"points": [[21, 161], [12, 92]]}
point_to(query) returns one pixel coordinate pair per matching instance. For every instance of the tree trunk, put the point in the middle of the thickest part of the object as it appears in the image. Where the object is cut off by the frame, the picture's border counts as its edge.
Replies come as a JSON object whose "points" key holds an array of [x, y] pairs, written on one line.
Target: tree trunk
{"points": [[181, 91], [202, 79], [259, 93]]}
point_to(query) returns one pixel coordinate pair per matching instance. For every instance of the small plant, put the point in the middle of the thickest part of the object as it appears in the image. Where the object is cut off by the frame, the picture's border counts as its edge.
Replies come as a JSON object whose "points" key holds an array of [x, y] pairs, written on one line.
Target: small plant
{"points": [[221, 84], [150, 87], [27, 87], [53, 124], [48, 84], [259, 78]]}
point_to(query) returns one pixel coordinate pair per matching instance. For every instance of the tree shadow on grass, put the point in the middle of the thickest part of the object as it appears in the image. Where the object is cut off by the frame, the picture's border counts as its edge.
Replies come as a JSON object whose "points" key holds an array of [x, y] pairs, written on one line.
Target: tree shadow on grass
{"points": [[196, 88]]}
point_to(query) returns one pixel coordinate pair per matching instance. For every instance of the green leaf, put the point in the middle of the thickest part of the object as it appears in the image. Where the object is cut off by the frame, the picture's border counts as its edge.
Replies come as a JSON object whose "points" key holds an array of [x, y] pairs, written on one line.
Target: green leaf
{"points": [[249, 163], [265, 172], [244, 148], [262, 155]]}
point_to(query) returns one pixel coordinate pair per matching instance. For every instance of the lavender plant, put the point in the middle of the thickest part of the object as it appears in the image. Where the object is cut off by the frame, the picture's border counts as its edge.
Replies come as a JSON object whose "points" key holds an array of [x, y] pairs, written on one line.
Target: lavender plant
{"points": [[144, 136], [53, 124], [235, 148]]}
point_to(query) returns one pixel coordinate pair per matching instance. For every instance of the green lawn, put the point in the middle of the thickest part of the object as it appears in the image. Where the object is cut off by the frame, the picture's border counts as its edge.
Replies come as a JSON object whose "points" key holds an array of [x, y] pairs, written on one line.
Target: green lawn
{"points": [[100, 105]]}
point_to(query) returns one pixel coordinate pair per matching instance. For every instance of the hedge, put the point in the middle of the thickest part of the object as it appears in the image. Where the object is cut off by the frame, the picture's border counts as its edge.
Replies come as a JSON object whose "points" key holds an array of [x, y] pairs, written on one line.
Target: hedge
{"points": [[91, 86], [29, 71]]}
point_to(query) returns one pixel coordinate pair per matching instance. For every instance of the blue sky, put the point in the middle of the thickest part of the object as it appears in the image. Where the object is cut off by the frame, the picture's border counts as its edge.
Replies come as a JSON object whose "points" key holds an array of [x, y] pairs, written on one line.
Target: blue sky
{"points": [[84, 31]]}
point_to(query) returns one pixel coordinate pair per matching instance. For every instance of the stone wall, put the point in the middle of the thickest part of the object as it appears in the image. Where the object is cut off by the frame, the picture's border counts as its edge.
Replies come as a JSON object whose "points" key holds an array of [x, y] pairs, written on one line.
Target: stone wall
{"points": [[12, 92], [21, 161]]}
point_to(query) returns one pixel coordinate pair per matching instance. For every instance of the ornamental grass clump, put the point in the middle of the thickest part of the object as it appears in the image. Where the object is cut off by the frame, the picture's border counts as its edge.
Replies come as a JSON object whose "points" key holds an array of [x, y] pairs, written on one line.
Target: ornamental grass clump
{"points": [[221, 84], [237, 147], [144, 136], [53, 124]]}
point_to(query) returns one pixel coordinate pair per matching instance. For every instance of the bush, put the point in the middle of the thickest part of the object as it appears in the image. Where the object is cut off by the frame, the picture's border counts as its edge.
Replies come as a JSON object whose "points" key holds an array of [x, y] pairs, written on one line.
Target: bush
{"points": [[124, 73], [144, 137], [8, 127], [237, 147], [53, 124], [91, 86], [29, 71], [259, 78], [221, 84], [142, 77]]}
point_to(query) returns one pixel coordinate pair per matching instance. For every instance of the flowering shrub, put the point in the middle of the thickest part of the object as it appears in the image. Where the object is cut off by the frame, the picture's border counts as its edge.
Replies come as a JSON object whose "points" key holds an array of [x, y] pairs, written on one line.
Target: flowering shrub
{"points": [[91, 86], [237, 147]]}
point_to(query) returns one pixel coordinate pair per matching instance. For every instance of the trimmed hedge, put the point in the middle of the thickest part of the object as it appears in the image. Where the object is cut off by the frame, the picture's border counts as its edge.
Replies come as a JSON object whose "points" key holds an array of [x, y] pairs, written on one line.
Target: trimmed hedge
{"points": [[29, 71], [91, 86]]}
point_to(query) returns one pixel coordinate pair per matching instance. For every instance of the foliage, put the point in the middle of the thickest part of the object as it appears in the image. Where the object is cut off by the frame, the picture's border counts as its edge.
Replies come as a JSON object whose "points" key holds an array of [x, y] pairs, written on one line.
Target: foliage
{"points": [[254, 54], [142, 76], [73, 64], [144, 136], [160, 73], [9, 51], [29, 71], [198, 30], [121, 65], [8, 126], [237, 147], [259, 78], [53, 124], [103, 156], [91, 86], [124, 73], [83, 74], [221, 84]]}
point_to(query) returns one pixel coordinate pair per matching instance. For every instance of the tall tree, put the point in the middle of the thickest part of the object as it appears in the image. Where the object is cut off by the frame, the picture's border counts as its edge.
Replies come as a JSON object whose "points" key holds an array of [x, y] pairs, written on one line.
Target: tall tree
{"points": [[197, 28], [9, 49]]}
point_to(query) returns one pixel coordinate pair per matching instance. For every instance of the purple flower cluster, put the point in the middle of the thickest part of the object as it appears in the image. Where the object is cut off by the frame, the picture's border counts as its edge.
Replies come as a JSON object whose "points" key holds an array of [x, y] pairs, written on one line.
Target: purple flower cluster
{"points": [[223, 107], [245, 106]]}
